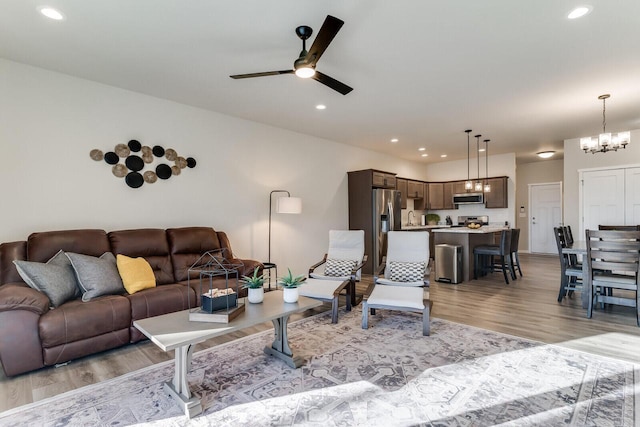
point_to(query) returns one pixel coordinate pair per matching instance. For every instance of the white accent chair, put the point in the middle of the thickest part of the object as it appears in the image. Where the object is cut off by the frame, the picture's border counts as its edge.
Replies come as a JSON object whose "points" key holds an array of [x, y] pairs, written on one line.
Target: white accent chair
{"points": [[387, 292], [344, 245]]}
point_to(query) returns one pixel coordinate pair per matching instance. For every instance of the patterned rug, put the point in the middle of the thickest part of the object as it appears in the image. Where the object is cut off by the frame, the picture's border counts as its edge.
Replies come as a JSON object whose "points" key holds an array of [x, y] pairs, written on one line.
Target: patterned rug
{"points": [[388, 375]]}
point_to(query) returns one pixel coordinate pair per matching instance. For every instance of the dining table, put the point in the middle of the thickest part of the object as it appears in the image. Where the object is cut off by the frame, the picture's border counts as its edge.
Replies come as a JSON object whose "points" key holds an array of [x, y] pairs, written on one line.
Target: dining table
{"points": [[579, 247]]}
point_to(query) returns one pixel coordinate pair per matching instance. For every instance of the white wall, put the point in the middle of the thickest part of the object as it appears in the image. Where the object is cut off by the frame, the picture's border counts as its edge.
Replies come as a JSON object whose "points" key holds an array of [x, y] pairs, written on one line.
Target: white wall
{"points": [[49, 122], [499, 165], [575, 160]]}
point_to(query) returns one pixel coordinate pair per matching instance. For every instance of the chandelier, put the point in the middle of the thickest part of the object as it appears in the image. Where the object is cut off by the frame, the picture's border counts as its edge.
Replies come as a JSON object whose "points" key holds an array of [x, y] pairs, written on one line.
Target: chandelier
{"points": [[468, 185], [606, 141], [478, 185]]}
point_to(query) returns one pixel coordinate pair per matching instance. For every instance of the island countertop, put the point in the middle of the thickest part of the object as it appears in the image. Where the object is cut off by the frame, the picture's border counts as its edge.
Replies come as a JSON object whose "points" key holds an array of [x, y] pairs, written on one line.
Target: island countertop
{"points": [[465, 230]]}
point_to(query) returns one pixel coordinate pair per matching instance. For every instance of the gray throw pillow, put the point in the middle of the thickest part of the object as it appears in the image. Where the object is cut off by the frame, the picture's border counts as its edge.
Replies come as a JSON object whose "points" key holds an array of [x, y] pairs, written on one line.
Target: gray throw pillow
{"points": [[96, 276], [55, 279], [339, 267]]}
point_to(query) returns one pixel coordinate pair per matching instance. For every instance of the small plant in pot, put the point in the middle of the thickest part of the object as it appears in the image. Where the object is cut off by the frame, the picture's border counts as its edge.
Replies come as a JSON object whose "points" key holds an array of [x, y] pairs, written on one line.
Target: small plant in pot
{"points": [[433, 219], [290, 286], [254, 285]]}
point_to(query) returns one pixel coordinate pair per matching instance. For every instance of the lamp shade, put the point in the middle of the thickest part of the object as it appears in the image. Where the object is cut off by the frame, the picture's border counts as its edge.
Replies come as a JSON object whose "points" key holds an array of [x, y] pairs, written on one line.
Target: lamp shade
{"points": [[289, 205]]}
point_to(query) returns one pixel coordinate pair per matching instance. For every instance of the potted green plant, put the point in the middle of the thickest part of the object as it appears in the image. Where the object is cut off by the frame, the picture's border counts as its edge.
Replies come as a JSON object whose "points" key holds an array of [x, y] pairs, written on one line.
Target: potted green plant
{"points": [[433, 219], [290, 285], [255, 287]]}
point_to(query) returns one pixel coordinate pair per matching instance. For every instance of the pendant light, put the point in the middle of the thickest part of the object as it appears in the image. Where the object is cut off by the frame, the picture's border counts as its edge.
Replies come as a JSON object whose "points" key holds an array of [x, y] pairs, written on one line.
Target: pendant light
{"points": [[468, 185], [487, 186], [478, 186]]}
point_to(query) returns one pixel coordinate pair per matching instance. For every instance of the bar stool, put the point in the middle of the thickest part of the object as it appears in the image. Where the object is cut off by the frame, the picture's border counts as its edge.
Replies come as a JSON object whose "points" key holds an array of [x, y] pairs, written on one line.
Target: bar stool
{"points": [[484, 257], [515, 259]]}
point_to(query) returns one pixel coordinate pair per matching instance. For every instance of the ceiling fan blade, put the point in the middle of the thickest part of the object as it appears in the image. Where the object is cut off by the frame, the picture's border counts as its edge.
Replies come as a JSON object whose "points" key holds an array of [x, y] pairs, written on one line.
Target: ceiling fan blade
{"points": [[332, 83], [266, 73], [327, 32]]}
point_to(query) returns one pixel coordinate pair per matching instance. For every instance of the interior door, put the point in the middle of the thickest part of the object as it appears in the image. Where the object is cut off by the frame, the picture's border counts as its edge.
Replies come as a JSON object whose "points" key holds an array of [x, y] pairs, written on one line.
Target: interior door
{"points": [[545, 201], [602, 199], [632, 199]]}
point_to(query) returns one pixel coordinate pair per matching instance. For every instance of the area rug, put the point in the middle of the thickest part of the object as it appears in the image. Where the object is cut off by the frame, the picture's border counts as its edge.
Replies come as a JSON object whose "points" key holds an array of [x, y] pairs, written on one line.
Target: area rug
{"points": [[388, 375]]}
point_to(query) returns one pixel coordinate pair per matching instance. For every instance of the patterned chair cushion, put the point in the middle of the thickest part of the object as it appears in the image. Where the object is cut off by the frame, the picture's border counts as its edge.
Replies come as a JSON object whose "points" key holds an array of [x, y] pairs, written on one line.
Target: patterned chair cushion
{"points": [[406, 271], [338, 267]]}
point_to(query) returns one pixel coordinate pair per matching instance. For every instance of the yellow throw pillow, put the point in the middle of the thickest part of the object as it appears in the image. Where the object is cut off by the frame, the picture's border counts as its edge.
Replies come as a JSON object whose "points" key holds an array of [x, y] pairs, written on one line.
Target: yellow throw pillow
{"points": [[136, 273]]}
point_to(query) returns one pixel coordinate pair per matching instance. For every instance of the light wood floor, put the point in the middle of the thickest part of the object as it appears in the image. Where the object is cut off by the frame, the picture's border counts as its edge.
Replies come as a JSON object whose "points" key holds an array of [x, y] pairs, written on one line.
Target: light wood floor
{"points": [[526, 308]]}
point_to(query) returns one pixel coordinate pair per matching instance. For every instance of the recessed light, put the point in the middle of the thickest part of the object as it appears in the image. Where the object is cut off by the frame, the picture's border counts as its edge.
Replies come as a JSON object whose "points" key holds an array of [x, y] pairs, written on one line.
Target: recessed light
{"points": [[481, 150], [579, 12], [321, 107], [546, 154], [394, 140], [51, 13], [443, 155], [425, 155], [421, 149]]}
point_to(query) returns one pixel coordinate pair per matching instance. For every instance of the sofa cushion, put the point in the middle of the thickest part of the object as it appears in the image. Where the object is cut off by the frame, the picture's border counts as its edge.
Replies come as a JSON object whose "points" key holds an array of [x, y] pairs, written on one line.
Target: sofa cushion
{"points": [[77, 320], [96, 276], [148, 243], [42, 246], [136, 273], [55, 279], [186, 245]]}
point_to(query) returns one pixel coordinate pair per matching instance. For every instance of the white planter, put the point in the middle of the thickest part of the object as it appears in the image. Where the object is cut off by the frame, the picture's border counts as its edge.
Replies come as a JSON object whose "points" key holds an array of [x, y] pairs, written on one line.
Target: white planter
{"points": [[256, 295], [290, 294]]}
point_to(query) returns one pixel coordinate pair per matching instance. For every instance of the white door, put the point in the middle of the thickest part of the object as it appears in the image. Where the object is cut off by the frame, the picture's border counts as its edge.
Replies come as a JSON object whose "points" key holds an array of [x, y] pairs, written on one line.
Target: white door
{"points": [[602, 199], [546, 212], [632, 199]]}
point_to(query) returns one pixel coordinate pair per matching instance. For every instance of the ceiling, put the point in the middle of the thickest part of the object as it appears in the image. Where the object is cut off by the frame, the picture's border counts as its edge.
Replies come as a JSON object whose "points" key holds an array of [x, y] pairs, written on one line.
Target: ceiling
{"points": [[518, 73]]}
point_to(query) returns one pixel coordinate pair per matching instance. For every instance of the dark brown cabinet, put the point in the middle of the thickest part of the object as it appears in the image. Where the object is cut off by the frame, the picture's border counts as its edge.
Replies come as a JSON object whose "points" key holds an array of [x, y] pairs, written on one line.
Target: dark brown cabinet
{"points": [[497, 197], [381, 179], [422, 203], [447, 195], [458, 187], [415, 189], [401, 186], [436, 195]]}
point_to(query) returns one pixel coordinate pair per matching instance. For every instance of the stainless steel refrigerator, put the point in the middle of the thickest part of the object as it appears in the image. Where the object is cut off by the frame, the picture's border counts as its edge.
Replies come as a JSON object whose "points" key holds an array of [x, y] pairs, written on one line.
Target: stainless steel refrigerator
{"points": [[386, 217]]}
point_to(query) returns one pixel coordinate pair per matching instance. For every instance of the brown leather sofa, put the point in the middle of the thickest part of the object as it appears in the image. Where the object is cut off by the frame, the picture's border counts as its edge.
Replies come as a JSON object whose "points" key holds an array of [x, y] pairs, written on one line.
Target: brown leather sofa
{"points": [[33, 335]]}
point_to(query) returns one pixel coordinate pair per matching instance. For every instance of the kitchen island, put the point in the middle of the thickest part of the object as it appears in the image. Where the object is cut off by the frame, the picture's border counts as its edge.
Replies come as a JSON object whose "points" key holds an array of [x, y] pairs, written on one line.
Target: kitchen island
{"points": [[467, 238]]}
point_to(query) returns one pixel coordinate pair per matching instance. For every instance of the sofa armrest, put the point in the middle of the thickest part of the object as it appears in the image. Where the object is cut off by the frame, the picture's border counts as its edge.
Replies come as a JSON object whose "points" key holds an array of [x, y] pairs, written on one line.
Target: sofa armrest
{"points": [[17, 296]]}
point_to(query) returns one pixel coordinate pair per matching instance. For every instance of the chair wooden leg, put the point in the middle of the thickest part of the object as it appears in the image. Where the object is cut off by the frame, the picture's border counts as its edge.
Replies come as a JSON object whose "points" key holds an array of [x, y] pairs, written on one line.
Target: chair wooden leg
{"points": [[517, 259], [426, 318], [504, 269], [563, 287], [511, 269], [590, 306], [637, 308], [476, 266], [351, 291]]}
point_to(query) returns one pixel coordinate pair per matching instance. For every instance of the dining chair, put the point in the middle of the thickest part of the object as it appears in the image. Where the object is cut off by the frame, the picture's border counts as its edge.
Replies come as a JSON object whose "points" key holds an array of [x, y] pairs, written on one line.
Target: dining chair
{"points": [[489, 258], [613, 259], [568, 234], [400, 282], [619, 227], [570, 270], [515, 259]]}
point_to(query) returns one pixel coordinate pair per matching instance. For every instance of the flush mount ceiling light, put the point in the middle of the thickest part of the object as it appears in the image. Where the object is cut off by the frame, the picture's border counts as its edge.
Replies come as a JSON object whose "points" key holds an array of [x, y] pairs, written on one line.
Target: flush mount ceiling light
{"points": [[545, 154], [51, 13], [321, 107], [421, 149], [394, 140], [605, 141], [425, 155], [579, 12]]}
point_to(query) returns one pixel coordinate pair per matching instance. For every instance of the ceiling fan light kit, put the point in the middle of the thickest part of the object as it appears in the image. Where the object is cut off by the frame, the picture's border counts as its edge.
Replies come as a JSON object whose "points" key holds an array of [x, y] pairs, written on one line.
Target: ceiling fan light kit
{"points": [[606, 141], [305, 66]]}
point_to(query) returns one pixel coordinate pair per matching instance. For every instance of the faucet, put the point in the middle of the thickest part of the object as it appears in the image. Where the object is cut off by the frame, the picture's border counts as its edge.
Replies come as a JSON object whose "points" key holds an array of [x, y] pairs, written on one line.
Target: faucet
{"points": [[409, 217]]}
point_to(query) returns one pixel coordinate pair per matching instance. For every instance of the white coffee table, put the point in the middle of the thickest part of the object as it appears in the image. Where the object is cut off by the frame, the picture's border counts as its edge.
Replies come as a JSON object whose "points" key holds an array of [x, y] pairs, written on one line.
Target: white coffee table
{"points": [[174, 331]]}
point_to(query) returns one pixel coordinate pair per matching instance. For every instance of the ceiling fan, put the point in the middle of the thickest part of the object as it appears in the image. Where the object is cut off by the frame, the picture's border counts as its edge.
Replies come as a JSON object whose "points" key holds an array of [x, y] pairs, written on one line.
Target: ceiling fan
{"points": [[305, 65]]}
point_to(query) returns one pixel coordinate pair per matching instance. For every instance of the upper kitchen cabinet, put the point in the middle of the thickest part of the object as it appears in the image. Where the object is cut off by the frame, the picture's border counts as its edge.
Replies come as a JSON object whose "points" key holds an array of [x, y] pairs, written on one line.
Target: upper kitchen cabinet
{"points": [[436, 195], [383, 179], [401, 186], [422, 203], [448, 190], [497, 197], [458, 187], [415, 189]]}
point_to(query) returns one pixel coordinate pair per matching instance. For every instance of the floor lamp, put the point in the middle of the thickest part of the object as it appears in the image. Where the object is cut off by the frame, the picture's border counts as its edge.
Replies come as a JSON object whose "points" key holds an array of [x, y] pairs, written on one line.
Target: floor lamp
{"points": [[288, 205]]}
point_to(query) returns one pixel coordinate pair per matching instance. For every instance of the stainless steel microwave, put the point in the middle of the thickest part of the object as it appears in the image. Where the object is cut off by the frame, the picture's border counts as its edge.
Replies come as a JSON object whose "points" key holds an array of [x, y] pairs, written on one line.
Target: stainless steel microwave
{"points": [[468, 198]]}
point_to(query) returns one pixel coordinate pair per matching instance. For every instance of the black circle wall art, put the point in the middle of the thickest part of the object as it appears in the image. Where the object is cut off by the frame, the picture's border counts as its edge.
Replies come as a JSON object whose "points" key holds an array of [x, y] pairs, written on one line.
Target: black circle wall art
{"points": [[134, 180], [134, 145], [158, 151], [163, 171], [134, 165], [111, 158]]}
